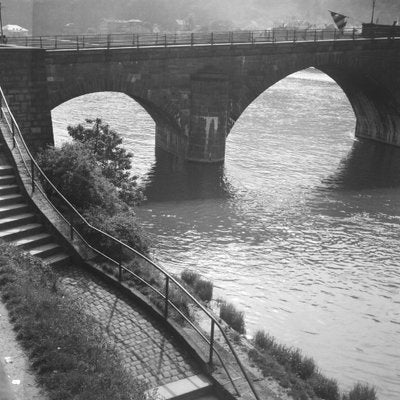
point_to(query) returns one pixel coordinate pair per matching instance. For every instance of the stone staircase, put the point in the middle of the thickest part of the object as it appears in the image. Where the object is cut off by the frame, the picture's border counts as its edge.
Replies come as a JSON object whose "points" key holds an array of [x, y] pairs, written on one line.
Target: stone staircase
{"points": [[20, 225]]}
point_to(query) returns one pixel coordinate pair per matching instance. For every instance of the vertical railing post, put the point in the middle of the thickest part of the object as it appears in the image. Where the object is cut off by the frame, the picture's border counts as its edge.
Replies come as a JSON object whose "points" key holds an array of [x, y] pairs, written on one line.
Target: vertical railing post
{"points": [[165, 40], [210, 359], [252, 37], [231, 37], [354, 33], [192, 39], [294, 35], [137, 41], [108, 41], [32, 175], [334, 35], [13, 131], [315, 35], [55, 42], [41, 44], [166, 296], [71, 224], [83, 41], [120, 264], [1, 107], [212, 38]]}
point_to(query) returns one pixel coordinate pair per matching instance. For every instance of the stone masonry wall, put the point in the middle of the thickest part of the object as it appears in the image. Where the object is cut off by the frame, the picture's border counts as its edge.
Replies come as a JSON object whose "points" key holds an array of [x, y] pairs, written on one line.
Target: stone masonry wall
{"points": [[24, 82]]}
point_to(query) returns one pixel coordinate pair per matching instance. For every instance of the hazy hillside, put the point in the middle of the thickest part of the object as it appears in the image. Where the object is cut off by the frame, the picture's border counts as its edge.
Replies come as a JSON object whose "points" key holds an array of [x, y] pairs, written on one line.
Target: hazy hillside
{"points": [[50, 16]]}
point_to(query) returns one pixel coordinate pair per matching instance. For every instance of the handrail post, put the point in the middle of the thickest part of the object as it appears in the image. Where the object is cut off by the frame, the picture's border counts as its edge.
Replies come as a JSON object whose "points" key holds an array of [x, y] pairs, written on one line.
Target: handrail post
{"points": [[55, 42], [77, 42], [13, 131], [191, 39], [212, 38], [137, 41], [211, 342], [294, 35], [354, 33], [71, 224], [165, 40], [83, 41], [108, 41], [166, 297], [315, 35], [32, 175], [334, 35], [120, 264]]}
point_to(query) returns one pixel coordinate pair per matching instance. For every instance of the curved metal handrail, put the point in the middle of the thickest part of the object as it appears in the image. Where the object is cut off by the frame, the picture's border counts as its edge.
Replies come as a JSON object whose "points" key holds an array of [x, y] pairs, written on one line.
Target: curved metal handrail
{"points": [[17, 135]]}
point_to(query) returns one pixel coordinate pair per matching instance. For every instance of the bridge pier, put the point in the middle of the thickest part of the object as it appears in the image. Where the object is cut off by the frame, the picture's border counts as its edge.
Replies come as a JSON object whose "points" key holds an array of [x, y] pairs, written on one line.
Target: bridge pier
{"points": [[208, 117]]}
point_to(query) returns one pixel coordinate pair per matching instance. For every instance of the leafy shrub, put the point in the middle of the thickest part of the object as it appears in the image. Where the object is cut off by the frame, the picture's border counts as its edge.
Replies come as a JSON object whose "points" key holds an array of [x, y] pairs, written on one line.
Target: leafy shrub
{"points": [[233, 317], [204, 289], [324, 388], [122, 226], [190, 277], [74, 171], [361, 392], [201, 287], [291, 358]]}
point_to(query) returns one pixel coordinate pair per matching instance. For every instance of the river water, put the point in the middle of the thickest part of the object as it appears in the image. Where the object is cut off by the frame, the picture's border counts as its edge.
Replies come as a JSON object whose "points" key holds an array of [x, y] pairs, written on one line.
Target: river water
{"points": [[299, 228]]}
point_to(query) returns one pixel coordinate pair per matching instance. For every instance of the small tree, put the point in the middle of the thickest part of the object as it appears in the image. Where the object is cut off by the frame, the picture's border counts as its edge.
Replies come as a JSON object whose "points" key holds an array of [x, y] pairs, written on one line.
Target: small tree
{"points": [[74, 171], [114, 161]]}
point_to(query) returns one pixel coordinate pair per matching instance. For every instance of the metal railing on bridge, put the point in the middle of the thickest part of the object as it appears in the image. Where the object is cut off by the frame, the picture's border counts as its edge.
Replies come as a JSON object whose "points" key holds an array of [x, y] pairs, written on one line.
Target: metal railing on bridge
{"points": [[129, 265], [140, 40]]}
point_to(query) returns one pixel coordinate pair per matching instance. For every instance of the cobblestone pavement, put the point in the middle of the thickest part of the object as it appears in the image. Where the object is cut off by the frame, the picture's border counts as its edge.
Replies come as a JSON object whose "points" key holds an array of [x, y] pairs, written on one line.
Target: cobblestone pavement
{"points": [[147, 349]]}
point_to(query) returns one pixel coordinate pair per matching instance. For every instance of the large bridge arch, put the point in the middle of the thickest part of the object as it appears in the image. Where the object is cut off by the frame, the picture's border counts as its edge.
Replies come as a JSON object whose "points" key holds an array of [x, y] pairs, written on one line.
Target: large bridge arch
{"points": [[376, 107]]}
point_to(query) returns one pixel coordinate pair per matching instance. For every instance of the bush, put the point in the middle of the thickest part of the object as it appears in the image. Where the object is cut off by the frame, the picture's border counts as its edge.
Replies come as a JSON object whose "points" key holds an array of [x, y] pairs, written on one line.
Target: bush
{"points": [[201, 287], [233, 317], [73, 170], [291, 358], [324, 388], [361, 392], [204, 289], [71, 355], [190, 277], [122, 226]]}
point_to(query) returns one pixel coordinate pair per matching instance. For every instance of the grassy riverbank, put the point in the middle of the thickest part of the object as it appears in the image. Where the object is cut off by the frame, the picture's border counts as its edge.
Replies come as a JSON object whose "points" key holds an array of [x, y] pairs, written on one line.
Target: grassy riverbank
{"points": [[68, 351]]}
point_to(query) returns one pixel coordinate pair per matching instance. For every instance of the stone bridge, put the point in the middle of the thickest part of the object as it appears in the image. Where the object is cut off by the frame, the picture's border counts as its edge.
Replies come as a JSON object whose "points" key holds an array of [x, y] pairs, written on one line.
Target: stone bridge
{"points": [[196, 93]]}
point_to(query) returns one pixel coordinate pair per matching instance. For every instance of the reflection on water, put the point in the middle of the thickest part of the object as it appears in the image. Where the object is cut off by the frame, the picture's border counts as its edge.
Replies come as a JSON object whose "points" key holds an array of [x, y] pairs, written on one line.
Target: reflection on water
{"points": [[299, 228]]}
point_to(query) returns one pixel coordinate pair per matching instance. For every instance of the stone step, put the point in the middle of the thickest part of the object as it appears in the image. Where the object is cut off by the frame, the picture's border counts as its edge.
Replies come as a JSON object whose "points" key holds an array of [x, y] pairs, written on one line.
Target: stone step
{"points": [[195, 387], [21, 231], [11, 198], [7, 189], [6, 170], [57, 260], [7, 179], [38, 239], [11, 209], [16, 220], [45, 250]]}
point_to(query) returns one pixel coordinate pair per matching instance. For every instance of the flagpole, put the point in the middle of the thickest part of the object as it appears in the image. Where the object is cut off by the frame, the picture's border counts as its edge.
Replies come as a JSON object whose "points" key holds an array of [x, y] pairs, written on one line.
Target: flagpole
{"points": [[373, 11], [1, 24]]}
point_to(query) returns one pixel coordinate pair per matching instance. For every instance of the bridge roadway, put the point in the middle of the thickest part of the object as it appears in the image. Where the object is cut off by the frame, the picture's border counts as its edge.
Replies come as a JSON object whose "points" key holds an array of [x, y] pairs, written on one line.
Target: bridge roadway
{"points": [[196, 87]]}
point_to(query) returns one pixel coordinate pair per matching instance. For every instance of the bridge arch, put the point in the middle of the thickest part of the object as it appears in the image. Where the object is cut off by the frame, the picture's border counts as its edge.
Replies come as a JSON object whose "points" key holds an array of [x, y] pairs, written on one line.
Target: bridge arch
{"points": [[160, 107], [374, 106]]}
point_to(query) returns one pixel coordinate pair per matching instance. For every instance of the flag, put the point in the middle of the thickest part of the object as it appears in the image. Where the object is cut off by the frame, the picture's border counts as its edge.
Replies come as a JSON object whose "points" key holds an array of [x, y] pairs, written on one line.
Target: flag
{"points": [[339, 19]]}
